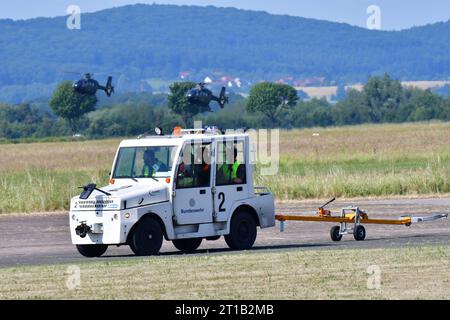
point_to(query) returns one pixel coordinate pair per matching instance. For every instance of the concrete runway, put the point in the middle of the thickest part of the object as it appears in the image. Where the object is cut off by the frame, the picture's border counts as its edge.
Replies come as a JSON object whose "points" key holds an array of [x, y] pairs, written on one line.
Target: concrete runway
{"points": [[45, 238]]}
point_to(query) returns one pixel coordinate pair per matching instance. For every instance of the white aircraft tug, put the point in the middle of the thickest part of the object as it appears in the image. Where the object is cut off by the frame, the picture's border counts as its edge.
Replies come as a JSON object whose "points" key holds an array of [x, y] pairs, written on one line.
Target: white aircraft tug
{"points": [[191, 185]]}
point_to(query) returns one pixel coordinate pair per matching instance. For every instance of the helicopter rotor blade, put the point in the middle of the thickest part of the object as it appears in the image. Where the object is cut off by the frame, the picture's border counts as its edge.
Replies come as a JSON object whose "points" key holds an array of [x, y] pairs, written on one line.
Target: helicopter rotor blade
{"points": [[109, 87]]}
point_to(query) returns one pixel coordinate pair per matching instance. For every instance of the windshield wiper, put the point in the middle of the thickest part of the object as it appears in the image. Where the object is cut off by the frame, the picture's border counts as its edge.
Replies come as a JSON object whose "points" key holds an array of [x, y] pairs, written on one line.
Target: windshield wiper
{"points": [[127, 177], [134, 179]]}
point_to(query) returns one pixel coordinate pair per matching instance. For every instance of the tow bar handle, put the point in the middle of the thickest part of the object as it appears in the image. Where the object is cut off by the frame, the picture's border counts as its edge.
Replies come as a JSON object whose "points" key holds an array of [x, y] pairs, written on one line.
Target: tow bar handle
{"points": [[327, 203], [430, 218]]}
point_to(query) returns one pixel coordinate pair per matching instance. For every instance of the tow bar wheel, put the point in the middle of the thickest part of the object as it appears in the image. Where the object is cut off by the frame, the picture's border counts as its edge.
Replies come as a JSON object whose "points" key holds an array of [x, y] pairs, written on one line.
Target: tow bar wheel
{"points": [[335, 233], [359, 233]]}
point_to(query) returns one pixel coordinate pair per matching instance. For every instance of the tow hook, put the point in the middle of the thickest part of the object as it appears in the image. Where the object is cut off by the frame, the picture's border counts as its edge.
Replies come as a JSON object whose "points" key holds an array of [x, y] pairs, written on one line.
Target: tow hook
{"points": [[82, 230]]}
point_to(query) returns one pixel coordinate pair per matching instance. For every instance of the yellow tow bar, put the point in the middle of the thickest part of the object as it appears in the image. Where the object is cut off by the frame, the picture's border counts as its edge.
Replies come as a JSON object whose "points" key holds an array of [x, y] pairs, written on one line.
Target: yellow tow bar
{"points": [[354, 216]]}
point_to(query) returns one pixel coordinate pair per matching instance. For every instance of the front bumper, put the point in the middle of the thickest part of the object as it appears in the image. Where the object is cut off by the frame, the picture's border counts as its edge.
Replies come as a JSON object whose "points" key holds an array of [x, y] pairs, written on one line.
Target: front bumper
{"points": [[97, 227]]}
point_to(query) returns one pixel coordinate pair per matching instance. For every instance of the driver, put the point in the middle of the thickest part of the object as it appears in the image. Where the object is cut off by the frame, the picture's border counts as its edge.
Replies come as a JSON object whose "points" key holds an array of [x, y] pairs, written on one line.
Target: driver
{"points": [[151, 164]]}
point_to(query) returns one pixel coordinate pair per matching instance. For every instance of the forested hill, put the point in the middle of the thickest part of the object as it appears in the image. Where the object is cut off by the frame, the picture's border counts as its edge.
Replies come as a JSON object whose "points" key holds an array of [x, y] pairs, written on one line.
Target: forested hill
{"points": [[159, 41]]}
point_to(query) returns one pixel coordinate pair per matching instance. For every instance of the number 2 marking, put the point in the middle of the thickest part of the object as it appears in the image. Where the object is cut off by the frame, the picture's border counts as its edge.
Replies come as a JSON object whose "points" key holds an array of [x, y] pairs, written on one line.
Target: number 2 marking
{"points": [[222, 197]]}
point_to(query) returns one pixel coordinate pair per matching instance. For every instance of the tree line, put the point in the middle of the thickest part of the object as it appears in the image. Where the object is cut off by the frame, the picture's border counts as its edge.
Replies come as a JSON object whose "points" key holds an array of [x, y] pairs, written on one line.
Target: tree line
{"points": [[141, 42], [382, 100]]}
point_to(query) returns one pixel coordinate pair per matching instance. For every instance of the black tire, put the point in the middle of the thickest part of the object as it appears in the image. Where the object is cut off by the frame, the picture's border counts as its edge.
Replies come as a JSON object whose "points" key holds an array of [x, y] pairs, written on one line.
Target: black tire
{"points": [[242, 231], [187, 245], [334, 233], [213, 238], [147, 237], [359, 233], [92, 250]]}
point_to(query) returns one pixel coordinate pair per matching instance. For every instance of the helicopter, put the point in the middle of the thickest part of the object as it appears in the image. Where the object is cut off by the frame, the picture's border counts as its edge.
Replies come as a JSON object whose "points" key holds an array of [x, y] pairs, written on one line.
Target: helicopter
{"points": [[89, 86], [202, 96]]}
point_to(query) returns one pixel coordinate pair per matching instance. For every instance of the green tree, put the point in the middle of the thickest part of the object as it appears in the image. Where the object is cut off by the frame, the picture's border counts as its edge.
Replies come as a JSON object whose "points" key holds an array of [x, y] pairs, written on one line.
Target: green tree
{"points": [[71, 105], [427, 106], [271, 99], [384, 95], [445, 115], [179, 104], [315, 112], [352, 110]]}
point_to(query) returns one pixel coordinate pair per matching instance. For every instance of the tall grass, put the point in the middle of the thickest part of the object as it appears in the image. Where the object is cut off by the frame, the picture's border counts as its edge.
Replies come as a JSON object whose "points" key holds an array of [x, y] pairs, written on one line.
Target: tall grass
{"points": [[360, 161], [44, 176], [44, 190], [339, 181]]}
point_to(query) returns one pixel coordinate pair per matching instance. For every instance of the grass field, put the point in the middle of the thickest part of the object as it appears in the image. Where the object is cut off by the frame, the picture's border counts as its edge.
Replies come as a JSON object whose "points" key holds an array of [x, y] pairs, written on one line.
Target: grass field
{"points": [[359, 161], [405, 273], [362, 161]]}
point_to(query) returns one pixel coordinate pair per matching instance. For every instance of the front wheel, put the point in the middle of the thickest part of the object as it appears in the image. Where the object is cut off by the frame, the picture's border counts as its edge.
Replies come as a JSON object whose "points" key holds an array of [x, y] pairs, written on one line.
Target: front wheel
{"points": [[92, 250], [187, 245], [147, 237], [242, 231]]}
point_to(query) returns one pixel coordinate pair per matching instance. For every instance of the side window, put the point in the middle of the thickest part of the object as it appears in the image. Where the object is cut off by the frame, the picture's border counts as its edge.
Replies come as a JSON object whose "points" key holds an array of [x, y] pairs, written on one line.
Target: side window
{"points": [[163, 155], [230, 168], [194, 169]]}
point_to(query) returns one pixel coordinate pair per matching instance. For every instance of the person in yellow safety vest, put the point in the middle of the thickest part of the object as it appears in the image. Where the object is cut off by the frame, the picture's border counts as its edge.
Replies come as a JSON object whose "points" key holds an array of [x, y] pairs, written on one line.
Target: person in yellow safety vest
{"points": [[232, 172], [151, 164]]}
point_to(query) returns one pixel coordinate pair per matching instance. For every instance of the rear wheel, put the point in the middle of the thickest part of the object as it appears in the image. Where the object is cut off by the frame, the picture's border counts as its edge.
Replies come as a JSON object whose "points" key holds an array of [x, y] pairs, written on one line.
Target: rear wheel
{"points": [[92, 250], [147, 237], [359, 233], [242, 231], [187, 245], [335, 233]]}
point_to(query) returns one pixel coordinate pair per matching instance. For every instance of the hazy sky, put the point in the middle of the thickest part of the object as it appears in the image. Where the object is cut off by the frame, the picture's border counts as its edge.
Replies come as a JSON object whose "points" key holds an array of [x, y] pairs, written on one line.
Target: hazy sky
{"points": [[395, 14]]}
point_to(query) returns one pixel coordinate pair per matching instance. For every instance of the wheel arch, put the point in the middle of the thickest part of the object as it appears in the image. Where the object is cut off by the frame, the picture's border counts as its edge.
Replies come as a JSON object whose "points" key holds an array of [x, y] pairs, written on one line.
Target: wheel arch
{"points": [[146, 216]]}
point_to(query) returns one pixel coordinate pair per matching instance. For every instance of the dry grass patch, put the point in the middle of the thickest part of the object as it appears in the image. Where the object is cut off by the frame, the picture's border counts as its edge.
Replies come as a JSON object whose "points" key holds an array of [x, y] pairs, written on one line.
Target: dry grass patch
{"points": [[406, 273], [82, 155]]}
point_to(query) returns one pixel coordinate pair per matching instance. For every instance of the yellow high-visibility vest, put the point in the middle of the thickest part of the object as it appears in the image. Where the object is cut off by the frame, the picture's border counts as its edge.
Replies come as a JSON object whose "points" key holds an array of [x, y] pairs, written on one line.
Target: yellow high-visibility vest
{"points": [[234, 170], [231, 174], [147, 172]]}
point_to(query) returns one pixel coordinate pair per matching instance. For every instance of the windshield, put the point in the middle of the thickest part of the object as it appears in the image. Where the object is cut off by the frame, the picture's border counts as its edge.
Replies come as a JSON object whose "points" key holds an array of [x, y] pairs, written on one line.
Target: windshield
{"points": [[144, 162]]}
